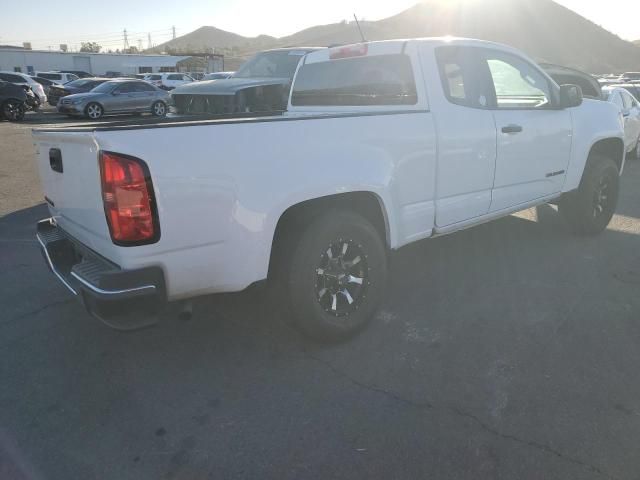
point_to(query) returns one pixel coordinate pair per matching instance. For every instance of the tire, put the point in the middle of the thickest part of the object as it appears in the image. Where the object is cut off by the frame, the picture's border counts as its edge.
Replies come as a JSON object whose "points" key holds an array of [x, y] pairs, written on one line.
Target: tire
{"points": [[589, 209], [637, 150], [159, 109], [13, 110], [94, 111], [336, 276]]}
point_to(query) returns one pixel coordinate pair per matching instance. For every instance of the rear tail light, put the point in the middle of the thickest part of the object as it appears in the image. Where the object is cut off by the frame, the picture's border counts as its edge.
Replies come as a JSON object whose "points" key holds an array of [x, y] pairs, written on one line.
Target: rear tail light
{"points": [[357, 50], [129, 201]]}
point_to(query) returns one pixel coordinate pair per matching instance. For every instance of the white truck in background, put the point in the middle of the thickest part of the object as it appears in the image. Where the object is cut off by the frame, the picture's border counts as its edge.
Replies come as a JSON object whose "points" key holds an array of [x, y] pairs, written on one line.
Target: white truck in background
{"points": [[383, 144]]}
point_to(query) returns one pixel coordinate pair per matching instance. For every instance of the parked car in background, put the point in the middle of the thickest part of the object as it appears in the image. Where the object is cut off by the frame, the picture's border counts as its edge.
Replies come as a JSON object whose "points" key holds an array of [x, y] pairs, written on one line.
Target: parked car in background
{"points": [[196, 75], [112, 74], [140, 76], [24, 79], [12, 101], [81, 85], [79, 73], [46, 83], [630, 112], [632, 88], [59, 78], [591, 88], [116, 97], [382, 144], [168, 81], [630, 77], [217, 75], [261, 85]]}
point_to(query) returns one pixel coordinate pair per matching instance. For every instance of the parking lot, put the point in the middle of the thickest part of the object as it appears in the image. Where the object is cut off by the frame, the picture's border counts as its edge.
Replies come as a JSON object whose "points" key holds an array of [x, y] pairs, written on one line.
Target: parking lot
{"points": [[505, 351]]}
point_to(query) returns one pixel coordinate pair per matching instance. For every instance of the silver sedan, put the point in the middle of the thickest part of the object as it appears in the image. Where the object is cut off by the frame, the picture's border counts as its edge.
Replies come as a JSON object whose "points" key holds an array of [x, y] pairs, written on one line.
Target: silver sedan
{"points": [[116, 97]]}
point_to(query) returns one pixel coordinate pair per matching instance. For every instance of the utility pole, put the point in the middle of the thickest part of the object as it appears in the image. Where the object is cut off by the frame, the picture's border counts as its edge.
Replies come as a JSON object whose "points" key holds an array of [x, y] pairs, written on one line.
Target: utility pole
{"points": [[126, 40], [148, 40], [173, 29], [139, 44]]}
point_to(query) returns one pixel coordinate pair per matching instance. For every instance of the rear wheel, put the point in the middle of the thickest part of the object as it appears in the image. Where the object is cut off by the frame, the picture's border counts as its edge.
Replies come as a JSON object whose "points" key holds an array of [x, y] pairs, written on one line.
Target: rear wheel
{"points": [[589, 208], [336, 275], [13, 110], [159, 109], [94, 111]]}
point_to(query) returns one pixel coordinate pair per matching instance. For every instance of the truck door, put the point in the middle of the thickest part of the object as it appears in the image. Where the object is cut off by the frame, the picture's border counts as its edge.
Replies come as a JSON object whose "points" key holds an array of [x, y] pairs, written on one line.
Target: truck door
{"points": [[466, 135], [534, 137]]}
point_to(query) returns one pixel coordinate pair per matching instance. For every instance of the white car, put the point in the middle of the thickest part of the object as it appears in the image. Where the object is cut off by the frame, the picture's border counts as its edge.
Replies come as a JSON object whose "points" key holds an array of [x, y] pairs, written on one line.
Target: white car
{"points": [[383, 144], [629, 109], [59, 78], [168, 81], [24, 79], [218, 75]]}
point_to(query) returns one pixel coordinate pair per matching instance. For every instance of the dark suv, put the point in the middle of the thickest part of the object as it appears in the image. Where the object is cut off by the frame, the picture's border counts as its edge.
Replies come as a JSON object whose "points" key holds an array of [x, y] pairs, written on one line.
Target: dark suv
{"points": [[261, 85]]}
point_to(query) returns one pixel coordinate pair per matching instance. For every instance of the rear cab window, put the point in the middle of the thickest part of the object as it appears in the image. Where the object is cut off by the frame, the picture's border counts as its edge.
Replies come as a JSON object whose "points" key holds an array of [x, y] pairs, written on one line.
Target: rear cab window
{"points": [[372, 77]]}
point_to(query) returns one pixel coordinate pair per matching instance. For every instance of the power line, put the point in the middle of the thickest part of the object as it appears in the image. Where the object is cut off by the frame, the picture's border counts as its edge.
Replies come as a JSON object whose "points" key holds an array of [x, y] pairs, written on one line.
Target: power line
{"points": [[88, 37]]}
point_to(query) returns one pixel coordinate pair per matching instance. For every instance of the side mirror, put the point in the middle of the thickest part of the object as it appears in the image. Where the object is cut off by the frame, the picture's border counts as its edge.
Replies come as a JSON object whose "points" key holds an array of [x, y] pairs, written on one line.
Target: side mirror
{"points": [[570, 96]]}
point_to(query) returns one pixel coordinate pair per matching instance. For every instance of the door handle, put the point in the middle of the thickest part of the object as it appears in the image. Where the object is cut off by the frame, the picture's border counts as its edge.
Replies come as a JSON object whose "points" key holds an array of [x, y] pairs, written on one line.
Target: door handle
{"points": [[512, 129]]}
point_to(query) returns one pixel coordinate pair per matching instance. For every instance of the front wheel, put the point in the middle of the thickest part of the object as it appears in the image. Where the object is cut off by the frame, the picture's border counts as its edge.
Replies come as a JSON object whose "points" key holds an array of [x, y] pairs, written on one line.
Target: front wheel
{"points": [[637, 150], [336, 275], [589, 209], [94, 111], [13, 110], [159, 109]]}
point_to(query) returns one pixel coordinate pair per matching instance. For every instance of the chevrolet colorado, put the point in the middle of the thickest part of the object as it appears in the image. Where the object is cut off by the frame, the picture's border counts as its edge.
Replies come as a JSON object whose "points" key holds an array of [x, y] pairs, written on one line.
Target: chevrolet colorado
{"points": [[382, 144]]}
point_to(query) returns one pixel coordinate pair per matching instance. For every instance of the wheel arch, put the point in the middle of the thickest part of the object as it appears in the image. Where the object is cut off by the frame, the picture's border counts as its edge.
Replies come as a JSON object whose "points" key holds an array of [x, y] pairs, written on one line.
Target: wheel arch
{"points": [[612, 148], [293, 220]]}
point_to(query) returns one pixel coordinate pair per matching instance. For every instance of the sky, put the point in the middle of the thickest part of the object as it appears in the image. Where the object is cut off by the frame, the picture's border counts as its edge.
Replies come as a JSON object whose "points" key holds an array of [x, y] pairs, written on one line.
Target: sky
{"points": [[46, 25]]}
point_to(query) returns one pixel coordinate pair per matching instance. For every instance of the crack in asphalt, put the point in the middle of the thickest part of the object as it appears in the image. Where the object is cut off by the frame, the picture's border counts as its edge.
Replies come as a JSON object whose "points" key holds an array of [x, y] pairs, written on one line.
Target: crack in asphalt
{"points": [[531, 443], [370, 387], [41, 309], [460, 413]]}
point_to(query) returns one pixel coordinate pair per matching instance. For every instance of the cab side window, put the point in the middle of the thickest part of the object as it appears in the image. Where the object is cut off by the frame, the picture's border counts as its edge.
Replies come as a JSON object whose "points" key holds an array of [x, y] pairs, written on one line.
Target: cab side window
{"points": [[517, 83]]}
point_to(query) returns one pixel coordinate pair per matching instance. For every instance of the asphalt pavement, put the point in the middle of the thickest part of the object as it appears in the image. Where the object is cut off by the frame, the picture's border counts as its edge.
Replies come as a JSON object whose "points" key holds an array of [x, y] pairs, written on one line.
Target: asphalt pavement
{"points": [[507, 351]]}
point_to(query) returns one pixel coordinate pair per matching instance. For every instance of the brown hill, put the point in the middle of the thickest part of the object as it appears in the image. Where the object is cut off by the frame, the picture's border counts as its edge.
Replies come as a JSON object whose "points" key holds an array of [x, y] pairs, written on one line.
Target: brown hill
{"points": [[206, 39], [544, 29]]}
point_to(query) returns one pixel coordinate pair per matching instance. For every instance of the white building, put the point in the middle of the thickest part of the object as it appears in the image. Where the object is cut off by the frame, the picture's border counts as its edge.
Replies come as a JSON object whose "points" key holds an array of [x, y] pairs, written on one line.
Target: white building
{"points": [[30, 61]]}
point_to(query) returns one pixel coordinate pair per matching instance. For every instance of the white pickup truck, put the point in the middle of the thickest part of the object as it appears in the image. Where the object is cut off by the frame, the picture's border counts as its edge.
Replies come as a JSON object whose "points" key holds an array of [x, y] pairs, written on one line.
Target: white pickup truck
{"points": [[383, 144]]}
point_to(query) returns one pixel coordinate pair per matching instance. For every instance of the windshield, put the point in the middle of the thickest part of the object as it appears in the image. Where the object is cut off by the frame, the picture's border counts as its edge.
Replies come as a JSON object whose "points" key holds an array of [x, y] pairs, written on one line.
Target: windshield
{"points": [[105, 87], [276, 64]]}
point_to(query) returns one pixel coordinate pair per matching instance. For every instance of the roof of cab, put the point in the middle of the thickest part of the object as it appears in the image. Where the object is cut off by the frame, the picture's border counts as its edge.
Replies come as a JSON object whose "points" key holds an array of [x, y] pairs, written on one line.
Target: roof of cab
{"points": [[381, 47]]}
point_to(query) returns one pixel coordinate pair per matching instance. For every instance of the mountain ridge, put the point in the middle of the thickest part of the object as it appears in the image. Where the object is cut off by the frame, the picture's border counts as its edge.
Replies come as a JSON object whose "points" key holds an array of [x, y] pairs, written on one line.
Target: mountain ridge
{"points": [[543, 29]]}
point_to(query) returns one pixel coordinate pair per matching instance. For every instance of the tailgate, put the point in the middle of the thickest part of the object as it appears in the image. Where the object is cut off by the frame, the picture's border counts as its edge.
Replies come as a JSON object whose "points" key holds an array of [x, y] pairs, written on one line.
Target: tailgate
{"points": [[70, 176]]}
